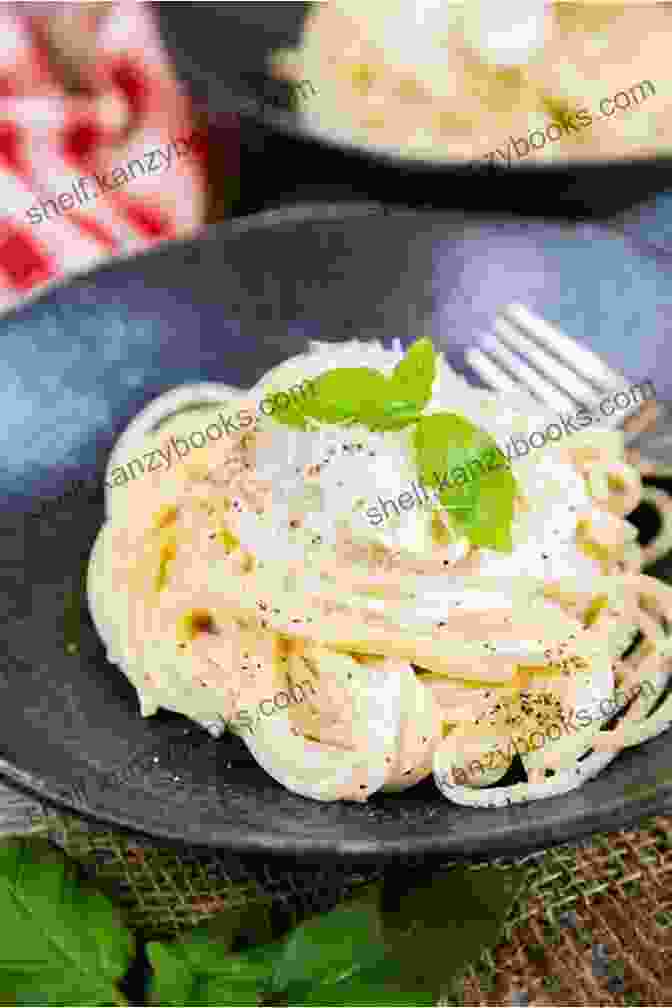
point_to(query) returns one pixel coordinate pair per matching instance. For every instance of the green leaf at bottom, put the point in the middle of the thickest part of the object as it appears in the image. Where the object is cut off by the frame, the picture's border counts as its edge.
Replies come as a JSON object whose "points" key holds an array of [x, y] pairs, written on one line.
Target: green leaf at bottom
{"points": [[205, 974], [62, 941], [56, 987], [200, 969], [382, 984], [401, 949], [326, 949], [435, 928]]}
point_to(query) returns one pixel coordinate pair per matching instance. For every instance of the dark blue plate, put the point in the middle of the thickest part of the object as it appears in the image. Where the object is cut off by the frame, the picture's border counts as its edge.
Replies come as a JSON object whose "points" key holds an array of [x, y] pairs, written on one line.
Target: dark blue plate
{"points": [[81, 360]]}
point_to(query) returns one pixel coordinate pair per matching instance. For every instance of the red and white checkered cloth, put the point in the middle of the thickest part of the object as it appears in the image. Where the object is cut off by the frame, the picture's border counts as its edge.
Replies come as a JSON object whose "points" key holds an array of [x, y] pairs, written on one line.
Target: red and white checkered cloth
{"points": [[49, 141]]}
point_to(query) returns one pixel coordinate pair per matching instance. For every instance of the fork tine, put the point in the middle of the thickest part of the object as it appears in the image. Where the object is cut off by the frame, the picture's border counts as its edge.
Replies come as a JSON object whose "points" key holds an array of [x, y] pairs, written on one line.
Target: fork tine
{"points": [[558, 373], [583, 360], [491, 374], [538, 386]]}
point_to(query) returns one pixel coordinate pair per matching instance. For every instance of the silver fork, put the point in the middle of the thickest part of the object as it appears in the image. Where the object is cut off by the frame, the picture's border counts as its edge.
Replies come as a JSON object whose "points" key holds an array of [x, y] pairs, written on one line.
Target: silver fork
{"points": [[516, 358]]}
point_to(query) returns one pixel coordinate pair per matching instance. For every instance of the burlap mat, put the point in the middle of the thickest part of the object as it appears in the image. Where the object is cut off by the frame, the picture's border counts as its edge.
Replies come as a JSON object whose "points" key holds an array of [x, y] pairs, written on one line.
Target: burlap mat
{"points": [[593, 924]]}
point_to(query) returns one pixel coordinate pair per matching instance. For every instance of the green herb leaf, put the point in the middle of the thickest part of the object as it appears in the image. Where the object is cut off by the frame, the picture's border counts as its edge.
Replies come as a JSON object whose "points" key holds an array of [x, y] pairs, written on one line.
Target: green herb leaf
{"points": [[439, 925], [470, 475], [348, 395], [201, 969], [366, 396], [381, 984], [292, 414], [327, 949], [62, 941], [495, 512], [414, 375], [199, 972], [54, 987], [443, 444], [398, 944], [341, 959], [395, 415]]}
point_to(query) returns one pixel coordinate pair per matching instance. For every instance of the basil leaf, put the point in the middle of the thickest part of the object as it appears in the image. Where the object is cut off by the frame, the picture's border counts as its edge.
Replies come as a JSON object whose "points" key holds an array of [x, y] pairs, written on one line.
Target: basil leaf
{"points": [[62, 941], [470, 476], [201, 969], [340, 959], [414, 375], [327, 948], [396, 415], [433, 926], [286, 404], [381, 984], [196, 972], [492, 528], [366, 396], [443, 443], [400, 407], [437, 926], [291, 415], [401, 949], [54, 987], [348, 395]]}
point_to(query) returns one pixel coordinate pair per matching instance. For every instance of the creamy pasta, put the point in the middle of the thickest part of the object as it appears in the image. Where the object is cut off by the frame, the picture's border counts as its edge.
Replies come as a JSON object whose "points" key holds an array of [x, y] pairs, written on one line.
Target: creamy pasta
{"points": [[249, 567], [390, 78]]}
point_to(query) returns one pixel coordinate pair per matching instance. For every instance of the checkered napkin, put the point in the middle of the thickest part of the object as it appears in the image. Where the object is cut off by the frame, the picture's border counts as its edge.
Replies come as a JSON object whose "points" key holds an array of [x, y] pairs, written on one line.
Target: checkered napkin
{"points": [[86, 178]]}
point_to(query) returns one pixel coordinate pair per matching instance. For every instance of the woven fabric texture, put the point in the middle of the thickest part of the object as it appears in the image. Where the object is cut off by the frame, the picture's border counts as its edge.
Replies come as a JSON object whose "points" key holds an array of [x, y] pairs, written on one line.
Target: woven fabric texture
{"points": [[592, 926]]}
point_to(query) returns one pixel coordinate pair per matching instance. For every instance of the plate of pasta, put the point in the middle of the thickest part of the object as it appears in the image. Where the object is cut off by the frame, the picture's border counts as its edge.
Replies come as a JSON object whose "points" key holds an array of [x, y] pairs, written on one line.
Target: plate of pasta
{"points": [[489, 619], [359, 604]]}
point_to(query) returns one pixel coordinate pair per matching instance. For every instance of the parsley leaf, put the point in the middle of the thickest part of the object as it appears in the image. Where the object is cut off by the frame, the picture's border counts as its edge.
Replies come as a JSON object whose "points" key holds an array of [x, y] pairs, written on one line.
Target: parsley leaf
{"points": [[470, 475], [62, 941]]}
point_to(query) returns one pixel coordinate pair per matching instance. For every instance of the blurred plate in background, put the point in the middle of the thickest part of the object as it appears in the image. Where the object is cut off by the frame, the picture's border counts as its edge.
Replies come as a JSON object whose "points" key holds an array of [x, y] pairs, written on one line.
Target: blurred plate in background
{"points": [[221, 53]]}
